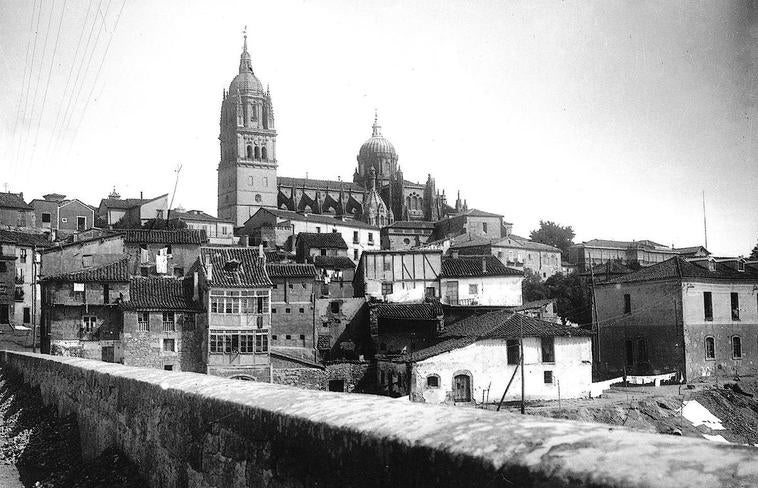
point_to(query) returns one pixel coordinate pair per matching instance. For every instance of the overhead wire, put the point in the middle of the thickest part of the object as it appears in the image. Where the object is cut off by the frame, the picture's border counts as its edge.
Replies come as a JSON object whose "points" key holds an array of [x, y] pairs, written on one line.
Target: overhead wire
{"points": [[28, 83], [47, 83], [97, 75], [23, 78]]}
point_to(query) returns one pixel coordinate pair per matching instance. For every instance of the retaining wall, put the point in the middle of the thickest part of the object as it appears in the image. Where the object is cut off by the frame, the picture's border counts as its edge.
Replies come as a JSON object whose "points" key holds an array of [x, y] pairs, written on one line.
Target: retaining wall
{"points": [[194, 430]]}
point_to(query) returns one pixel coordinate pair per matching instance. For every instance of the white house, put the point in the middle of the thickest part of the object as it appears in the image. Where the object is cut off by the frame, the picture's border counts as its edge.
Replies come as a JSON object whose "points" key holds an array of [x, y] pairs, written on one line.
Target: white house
{"points": [[408, 275], [476, 357], [479, 280]]}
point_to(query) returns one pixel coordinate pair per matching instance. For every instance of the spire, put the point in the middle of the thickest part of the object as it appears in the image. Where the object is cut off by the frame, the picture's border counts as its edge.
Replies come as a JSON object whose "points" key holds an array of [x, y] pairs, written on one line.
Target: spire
{"points": [[245, 63], [377, 129], [372, 180]]}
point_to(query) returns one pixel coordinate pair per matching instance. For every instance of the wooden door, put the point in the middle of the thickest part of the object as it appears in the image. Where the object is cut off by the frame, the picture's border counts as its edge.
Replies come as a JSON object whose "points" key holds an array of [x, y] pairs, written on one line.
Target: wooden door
{"points": [[462, 388], [452, 292]]}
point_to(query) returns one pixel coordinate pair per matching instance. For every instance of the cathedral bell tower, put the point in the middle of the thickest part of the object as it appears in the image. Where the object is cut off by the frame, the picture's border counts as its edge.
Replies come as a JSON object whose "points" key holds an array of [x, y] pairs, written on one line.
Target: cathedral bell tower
{"points": [[247, 169]]}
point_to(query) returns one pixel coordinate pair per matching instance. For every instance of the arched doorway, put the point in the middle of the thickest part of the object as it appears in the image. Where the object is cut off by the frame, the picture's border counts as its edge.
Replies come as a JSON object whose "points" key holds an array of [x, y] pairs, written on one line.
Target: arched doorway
{"points": [[462, 387]]}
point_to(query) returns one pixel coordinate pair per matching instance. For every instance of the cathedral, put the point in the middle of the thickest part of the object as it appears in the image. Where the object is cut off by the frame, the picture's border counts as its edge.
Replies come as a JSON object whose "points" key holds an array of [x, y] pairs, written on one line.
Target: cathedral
{"points": [[248, 179]]}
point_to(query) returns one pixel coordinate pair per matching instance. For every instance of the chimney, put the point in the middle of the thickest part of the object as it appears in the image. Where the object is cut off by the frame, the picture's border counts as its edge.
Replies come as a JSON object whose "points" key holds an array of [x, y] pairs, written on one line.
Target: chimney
{"points": [[140, 195], [209, 268], [484, 264], [454, 253], [261, 254]]}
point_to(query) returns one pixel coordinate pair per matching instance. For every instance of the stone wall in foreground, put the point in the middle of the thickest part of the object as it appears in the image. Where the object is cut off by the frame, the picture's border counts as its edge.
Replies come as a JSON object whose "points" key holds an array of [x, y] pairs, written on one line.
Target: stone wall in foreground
{"points": [[194, 430]]}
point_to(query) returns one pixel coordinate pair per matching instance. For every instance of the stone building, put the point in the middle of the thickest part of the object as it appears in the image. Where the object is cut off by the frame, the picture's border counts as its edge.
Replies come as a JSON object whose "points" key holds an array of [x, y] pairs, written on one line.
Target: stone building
{"points": [[164, 326], [406, 234], [513, 251], [80, 311], [53, 212], [14, 211], [693, 318], [308, 245], [292, 309], [220, 232], [130, 211], [236, 292], [399, 276], [248, 177], [629, 253]]}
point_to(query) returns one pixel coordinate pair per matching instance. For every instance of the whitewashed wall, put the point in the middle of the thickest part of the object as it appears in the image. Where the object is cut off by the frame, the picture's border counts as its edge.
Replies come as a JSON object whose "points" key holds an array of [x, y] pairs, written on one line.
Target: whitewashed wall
{"points": [[491, 290]]}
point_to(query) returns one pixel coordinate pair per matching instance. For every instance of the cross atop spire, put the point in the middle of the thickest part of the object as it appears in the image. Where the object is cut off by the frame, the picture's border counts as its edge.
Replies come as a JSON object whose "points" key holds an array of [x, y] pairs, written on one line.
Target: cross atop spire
{"points": [[244, 34], [246, 65], [377, 129]]}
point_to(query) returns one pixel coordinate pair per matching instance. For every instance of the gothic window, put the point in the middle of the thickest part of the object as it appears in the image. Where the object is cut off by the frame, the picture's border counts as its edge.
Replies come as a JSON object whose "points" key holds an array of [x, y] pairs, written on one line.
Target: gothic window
{"points": [[249, 152], [408, 202], [257, 152], [264, 153], [253, 113]]}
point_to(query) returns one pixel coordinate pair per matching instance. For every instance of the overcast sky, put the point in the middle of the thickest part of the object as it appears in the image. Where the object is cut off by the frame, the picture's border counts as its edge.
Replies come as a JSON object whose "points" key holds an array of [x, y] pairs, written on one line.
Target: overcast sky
{"points": [[609, 116]]}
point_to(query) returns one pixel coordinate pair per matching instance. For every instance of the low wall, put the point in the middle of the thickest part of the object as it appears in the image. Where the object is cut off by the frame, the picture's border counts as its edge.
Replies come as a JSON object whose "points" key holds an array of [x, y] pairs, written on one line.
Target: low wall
{"points": [[189, 429]]}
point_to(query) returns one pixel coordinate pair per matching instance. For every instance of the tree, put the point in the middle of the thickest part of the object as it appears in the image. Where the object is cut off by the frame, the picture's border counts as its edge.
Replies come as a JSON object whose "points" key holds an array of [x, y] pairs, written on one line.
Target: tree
{"points": [[554, 235], [571, 296], [533, 288], [754, 252]]}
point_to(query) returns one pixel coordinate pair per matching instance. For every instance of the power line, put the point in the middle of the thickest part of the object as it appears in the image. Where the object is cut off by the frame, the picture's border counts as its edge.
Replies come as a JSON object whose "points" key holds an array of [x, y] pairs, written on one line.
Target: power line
{"points": [[47, 83], [70, 72], [29, 81], [97, 75], [78, 74], [26, 68], [39, 77]]}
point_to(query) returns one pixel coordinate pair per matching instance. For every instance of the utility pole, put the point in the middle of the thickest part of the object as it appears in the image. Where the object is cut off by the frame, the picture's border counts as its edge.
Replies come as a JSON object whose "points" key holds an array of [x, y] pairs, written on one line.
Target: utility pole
{"points": [[34, 299], [705, 225], [521, 347], [176, 183]]}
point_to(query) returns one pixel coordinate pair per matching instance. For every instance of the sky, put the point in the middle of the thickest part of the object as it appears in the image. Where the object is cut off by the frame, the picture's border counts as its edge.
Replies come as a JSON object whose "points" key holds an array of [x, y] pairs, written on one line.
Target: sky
{"points": [[610, 116]]}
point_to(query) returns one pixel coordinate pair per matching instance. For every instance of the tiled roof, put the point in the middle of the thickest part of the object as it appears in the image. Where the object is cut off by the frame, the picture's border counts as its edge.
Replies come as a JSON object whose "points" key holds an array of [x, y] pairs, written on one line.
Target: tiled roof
{"points": [[156, 293], [273, 256], [333, 262], [611, 267], [500, 324], [290, 270], [198, 215], [471, 213], [236, 267], [113, 272], [410, 224], [332, 185], [530, 244], [534, 304], [686, 251], [471, 266], [152, 236], [332, 240], [318, 219], [13, 200], [24, 239], [607, 243], [410, 311], [678, 268], [126, 203]]}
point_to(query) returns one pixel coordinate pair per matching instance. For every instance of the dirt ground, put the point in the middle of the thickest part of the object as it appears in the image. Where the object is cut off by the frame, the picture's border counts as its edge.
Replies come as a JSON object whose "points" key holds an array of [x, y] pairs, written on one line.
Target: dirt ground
{"points": [[658, 409]]}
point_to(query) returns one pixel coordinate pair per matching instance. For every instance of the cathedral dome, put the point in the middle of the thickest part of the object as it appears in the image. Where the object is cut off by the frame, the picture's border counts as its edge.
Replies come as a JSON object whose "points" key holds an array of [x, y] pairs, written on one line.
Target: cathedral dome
{"points": [[377, 145], [246, 82]]}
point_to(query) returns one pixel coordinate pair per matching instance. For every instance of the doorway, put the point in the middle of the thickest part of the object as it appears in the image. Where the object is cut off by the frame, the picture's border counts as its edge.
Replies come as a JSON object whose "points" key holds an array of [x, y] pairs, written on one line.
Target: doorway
{"points": [[462, 388]]}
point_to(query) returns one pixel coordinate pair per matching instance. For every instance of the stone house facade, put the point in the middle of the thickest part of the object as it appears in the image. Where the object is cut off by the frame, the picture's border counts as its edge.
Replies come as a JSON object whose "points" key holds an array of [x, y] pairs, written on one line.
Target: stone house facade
{"points": [[20, 298], [54, 212], [406, 234], [14, 211], [693, 318], [292, 309], [514, 252], [479, 280]]}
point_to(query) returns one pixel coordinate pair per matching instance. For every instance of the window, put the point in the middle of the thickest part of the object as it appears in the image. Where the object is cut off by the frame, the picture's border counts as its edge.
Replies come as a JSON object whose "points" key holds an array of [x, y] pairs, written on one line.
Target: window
{"points": [[735, 306], [168, 367], [89, 322], [386, 288], [302, 310], [370, 237], [318, 230], [81, 223], [257, 152], [627, 303], [258, 198], [433, 381], [355, 237], [291, 285], [473, 289], [288, 337], [236, 341], [431, 292], [169, 325], [64, 220], [27, 315], [189, 321], [265, 178], [274, 337], [273, 310], [45, 218], [323, 252], [548, 377], [708, 305], [87, 261], [512, 351], [710, 348], [406, 241], [3, 267], [249, 153], [334, 231], [736, 347], [22, 255], [355, 255], [387, 266], [169, 345], [143, 321], [159, 214], [287, 310], [106, 294], [484, 227], [334, 307], [239, 301], [642, 350], [548, 349]]}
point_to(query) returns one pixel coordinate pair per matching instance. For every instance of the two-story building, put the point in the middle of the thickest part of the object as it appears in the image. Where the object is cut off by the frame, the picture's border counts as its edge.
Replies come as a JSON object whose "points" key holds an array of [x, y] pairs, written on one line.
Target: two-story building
{"points": [[133, 211], [476, 223], [513, 251], [53, 212], [164, 324], [479, 280], [80, 311], [629, 253], [694, 318], [399, 276], [237, 296], [220, 232], [406, 234], [14, 211]]}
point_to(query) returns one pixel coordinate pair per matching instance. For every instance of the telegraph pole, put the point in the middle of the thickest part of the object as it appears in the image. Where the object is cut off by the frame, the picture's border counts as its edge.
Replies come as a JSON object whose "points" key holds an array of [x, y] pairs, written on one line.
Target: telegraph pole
{"points": [[521, 347]]}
